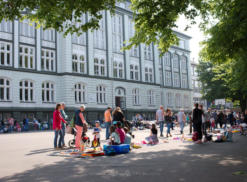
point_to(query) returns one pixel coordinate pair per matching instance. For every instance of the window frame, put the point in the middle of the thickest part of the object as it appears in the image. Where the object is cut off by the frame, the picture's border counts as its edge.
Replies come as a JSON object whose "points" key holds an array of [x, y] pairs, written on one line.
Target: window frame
{"points": [[48, 93], [5, 89]]}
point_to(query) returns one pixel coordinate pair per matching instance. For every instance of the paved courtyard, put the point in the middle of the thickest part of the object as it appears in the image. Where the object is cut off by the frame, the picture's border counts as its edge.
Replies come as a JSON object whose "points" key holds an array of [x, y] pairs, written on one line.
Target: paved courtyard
{"points": [[29, 157]]}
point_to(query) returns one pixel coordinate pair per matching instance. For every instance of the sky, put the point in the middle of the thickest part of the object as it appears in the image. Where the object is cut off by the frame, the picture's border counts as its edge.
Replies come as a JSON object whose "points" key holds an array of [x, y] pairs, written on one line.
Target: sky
{"points": [[195, 33]]}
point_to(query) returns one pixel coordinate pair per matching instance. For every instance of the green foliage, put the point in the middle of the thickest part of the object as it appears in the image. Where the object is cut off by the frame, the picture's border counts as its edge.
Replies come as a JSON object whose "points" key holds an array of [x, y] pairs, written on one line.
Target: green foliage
{"points": [[62, 15]]}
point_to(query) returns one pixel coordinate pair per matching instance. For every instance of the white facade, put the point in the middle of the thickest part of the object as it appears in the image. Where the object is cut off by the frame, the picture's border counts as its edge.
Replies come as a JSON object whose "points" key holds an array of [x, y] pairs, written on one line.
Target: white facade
{"points": [[39, 68]]}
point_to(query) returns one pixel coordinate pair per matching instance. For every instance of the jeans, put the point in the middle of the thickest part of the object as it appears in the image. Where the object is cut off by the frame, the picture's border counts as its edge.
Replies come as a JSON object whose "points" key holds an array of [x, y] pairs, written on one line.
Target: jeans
{"points": [[107, 126], [161, 127], [181, 127], [58, 132], [169, 125], [63, 135]]}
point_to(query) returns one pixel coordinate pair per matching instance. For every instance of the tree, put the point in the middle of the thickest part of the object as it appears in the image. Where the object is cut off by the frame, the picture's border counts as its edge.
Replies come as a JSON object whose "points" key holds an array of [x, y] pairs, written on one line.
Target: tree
{"points": [[62, 15]]}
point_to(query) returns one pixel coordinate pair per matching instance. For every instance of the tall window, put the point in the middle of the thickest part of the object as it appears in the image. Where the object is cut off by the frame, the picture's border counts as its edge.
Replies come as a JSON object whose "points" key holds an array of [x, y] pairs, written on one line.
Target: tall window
{"points": [[26, 59], [150, 96], [6, 54], [184, 81], [48, 92], [118, 69], [78, 63], [80, 93], [99, 67], [134, 72], [101, 94], [6, 26], [148, 52], [148, 74], [100, 34], [4, 89], [47, 60], [117, 33], [184, 64], [135, 49], [26, 91], [169, 99], [81, 39], [186, 101], [167, 59], [175, 61], [27, 29], [178, 100], [168, 78], [136, 96], [48, 35], [176, 80]]}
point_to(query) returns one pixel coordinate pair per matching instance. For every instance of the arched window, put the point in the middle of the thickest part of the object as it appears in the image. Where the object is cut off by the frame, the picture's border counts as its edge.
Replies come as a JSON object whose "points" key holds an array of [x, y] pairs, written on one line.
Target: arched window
{"points": [[26, 91], [4, 89], [80, 93], [101, 94], [150, 98], [136, 96], [78, 63], [48, 92]]}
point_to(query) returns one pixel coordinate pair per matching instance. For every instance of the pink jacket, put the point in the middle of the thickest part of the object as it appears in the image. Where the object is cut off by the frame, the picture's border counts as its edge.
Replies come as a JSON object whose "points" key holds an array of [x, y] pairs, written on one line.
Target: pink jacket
{"points": [[57, 120]]}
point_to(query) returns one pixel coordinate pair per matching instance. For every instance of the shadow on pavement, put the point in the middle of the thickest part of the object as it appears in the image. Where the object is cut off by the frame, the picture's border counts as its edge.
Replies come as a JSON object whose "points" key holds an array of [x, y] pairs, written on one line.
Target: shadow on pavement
{"points": [[196, 163]]}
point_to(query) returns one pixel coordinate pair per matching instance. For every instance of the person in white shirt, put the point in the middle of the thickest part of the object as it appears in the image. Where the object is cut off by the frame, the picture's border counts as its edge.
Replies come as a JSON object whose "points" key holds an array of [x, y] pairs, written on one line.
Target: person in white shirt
{"points": [[160, 118], [181, 118]]}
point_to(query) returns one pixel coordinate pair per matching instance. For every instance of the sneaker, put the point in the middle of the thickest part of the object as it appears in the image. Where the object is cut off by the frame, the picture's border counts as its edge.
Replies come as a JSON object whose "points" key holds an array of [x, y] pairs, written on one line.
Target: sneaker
{"points": [[161, 135]]}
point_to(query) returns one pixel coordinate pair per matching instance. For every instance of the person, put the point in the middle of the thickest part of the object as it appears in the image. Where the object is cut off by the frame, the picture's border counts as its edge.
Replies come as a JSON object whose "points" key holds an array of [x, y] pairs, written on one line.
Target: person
{"points": [[127, 139], [160, 114], [168, 119], [120, 132], [11, 124], [96, 133], [65, 117], [57, 126], [36, 123], [26, 124], [118, 115], [243, 125], [197, 122], [79, 124], [108, 120], [114, 137], [190, 123], [153, 139], [181, 120], [220, 118], [231, 118], [203, 120]]}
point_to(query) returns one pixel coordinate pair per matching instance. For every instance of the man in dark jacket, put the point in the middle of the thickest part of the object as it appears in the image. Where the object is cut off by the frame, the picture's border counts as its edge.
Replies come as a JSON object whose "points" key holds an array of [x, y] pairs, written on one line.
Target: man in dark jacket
{"points": [[197, 122]]}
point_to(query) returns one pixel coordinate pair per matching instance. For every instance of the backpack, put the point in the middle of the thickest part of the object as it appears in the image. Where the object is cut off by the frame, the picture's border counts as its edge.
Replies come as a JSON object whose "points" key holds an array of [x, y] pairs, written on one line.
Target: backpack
{"points": [[195, 136]]}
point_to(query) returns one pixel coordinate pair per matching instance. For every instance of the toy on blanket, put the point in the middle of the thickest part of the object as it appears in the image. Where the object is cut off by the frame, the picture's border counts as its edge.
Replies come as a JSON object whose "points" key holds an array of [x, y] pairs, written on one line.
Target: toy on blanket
{"points": [[136, 146], [116, 149]]}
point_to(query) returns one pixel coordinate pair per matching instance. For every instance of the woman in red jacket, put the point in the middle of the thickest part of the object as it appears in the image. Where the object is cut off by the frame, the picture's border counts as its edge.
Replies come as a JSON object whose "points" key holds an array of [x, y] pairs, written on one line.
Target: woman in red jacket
{"points": [[57, 126]]}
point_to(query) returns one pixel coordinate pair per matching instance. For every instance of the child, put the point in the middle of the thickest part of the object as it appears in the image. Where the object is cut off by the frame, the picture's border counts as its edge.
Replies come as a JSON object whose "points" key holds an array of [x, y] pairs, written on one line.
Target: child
{"points": [[96, 133], [153, 139], [114, 138], [212, 124], [120, 132], [127, 139]]}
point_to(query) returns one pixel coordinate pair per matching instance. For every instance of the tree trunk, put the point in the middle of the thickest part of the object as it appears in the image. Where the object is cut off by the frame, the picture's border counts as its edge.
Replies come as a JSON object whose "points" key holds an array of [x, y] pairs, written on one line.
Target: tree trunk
{"points": [[243, 103]]}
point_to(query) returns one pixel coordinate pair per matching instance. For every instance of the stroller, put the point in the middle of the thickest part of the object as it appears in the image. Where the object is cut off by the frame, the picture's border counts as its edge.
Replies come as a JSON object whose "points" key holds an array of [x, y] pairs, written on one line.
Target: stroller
{"points": [[84, 137]]}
